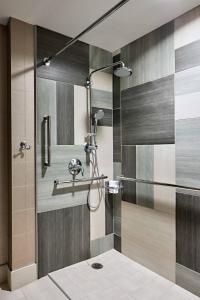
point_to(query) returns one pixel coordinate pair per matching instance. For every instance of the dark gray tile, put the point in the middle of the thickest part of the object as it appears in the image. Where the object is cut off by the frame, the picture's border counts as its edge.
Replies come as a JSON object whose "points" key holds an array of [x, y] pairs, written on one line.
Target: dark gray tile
{"points": [[102, 245], [101, 99], [100, 58], [109, 213], [107, 119], [151, 57], [63, 238], [188, 231], [116, 87], [188, 56], [117, 243], [188, 279], [72, 66], [148, 113], [187, 152], [129, 192], [116, 135], [129, 161], [117, 204], [65, 113]]}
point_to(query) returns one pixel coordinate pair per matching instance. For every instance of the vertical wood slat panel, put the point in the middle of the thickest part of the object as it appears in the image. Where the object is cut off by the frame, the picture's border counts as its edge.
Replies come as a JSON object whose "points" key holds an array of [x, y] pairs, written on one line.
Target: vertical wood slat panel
{"points": [[63, 238], [65, 113]]}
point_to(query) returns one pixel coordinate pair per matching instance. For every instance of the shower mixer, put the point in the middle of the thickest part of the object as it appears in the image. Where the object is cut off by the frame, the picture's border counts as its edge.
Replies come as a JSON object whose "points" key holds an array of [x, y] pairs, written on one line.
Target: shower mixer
{"points": [[75, 167]]}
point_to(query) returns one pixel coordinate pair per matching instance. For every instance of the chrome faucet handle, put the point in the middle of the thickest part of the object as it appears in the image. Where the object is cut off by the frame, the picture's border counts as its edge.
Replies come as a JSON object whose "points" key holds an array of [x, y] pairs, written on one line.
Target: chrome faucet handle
{"points": [[75, 167], [23, 146]]}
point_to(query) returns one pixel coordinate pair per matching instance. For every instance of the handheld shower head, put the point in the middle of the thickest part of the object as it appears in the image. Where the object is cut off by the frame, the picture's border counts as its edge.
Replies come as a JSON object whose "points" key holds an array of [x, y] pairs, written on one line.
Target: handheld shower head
{"points": [[123, 71], [99, 115]]}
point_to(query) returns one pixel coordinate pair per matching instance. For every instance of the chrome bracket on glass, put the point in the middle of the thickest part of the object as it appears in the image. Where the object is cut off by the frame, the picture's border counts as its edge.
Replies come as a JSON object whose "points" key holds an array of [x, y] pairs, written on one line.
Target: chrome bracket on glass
{"points": [[47, 140], [113, 186]]}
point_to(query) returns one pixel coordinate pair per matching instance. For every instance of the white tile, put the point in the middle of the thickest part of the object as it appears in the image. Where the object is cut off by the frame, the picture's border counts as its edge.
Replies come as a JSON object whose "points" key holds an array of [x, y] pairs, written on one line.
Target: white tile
{"points": [[187, 106], [80, 115], [187, 28], [16, 295], [102, 81], [153, 290], [120, 278], [105, 150], [105, 161], [177, 293], [164, 163], [43, 289], [165, 199], [148, 237], [97, 218]]}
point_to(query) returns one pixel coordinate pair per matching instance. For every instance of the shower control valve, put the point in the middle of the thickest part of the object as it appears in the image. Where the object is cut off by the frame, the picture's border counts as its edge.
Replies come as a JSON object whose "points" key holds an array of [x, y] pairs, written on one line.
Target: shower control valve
{"points": [[75, 167]]}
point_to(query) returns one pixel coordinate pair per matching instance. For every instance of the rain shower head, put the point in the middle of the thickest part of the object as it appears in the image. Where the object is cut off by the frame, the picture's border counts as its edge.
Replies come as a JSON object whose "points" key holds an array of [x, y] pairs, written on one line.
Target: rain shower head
{"points": [[123, 71], [99, 115]]}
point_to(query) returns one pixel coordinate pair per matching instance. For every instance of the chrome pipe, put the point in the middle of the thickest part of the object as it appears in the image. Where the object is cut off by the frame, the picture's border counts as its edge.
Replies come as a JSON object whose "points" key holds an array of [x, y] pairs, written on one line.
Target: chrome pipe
{"points": [[138, 180], [88, 29], [104, 68]]}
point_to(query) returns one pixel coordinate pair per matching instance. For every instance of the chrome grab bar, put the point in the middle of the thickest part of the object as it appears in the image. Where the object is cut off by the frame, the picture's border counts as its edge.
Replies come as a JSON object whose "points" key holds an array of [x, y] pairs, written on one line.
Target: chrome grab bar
{"points": [[138, 180], [47, 140], [58, 182]]}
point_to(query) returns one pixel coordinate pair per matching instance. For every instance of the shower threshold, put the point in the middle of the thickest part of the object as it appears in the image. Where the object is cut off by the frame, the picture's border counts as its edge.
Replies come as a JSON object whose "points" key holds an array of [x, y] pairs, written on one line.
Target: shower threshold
{"points": [[119, 278]]}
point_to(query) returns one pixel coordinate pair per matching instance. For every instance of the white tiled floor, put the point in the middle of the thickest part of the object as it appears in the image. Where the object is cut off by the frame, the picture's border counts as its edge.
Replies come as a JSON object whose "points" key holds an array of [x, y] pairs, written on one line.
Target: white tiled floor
{"points": [[120, 279]]}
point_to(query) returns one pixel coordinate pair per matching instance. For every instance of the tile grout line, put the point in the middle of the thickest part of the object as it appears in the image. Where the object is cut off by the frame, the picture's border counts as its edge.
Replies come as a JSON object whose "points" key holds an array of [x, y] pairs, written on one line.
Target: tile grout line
{"points": [[57, 285]]}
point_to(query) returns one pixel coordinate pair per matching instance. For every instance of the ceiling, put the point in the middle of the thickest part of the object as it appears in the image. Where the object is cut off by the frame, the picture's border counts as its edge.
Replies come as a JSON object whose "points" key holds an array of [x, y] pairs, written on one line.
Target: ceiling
{"points": [[70, 17]]}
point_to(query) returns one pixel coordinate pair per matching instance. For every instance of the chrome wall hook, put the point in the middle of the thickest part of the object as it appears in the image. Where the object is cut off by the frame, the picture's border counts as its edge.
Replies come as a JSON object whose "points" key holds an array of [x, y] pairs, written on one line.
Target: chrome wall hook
{"points": [[23, 146]]}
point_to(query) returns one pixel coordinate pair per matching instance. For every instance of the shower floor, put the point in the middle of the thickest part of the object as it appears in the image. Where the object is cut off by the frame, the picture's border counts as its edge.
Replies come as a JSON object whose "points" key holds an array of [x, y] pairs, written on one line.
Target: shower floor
{"points": [[120, 278]]}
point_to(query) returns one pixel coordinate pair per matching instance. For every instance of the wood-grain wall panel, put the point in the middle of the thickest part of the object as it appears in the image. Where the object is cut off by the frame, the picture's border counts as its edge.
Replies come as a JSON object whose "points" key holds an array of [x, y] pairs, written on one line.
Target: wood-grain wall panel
{"points": [[151, 57], [148, 113], [65, 113], [188, 230], [72, 66], [64, 238]]}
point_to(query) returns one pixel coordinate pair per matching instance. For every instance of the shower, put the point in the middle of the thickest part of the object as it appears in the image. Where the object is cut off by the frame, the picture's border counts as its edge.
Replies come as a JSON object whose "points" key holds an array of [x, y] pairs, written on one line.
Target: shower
{"points": [[119, 70]]}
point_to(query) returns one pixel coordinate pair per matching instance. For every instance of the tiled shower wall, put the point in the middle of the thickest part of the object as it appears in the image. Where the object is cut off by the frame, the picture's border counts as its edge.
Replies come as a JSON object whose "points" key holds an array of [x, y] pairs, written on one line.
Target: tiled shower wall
{"points": [[156, 137], [67, 231], [21, 163]]}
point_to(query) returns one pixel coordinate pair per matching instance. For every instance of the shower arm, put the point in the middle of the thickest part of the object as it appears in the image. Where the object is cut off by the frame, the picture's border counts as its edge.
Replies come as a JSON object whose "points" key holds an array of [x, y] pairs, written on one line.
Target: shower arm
{"points": [[118, 63]]}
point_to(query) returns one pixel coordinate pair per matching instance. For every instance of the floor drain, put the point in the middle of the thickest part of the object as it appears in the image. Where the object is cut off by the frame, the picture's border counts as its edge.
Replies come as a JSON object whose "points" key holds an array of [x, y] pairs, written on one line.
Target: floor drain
{"points": [[97, 266]]}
